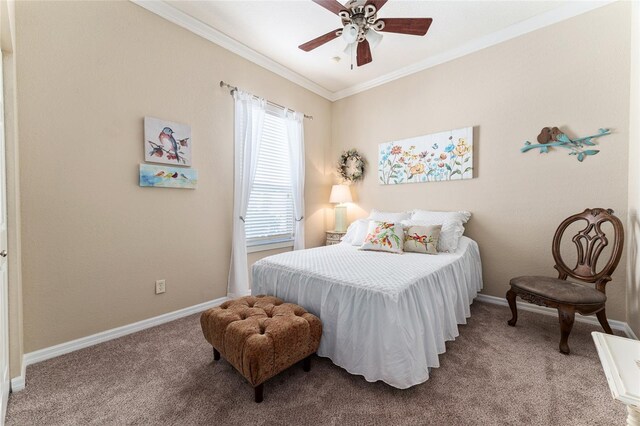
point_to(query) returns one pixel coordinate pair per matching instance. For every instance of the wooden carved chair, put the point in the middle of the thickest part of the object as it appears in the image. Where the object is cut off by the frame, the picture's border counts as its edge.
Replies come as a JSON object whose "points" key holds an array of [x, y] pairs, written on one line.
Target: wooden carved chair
{"points": [[566, 296]]}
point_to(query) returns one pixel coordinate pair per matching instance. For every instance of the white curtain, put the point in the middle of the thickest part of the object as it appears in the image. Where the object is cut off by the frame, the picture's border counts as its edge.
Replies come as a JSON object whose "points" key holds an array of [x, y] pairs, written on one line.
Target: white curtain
{"points": [[295, 133], [249, 119]]}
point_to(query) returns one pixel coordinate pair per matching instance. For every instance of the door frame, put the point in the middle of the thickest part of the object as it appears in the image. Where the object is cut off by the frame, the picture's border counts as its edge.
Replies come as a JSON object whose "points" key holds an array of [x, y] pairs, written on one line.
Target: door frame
{"points": [[14, 264]]}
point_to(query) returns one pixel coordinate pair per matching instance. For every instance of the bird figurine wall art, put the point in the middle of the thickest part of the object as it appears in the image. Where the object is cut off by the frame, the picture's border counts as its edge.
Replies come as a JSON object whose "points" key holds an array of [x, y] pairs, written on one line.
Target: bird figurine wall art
{"points": [[554, 137]]}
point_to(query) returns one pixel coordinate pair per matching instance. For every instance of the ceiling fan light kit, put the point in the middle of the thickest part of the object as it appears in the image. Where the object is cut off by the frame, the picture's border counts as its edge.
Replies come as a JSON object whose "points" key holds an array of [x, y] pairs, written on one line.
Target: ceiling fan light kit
{"points": [[350, 33], [373, 38], [360, 25]]}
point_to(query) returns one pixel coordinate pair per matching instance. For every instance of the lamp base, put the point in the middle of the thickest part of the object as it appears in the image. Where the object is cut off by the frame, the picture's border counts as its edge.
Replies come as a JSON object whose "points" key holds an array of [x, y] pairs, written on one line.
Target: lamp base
{"points": [[341, 218]]}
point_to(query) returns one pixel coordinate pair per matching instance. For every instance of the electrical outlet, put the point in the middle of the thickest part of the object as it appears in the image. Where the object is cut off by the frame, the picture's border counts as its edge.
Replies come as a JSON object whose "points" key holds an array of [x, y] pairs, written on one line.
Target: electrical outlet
{"points": [[160, 286]]}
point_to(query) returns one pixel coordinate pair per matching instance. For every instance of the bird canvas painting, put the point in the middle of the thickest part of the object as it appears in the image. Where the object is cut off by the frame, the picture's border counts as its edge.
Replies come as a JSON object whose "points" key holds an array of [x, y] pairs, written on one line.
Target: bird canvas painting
{"points": [[167, 142], [168, 177]]}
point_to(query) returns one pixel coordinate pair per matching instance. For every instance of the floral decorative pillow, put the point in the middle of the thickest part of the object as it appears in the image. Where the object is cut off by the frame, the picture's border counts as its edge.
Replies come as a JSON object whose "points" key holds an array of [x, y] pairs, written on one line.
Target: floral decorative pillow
{"points": [[384, 236], [422, 239]]}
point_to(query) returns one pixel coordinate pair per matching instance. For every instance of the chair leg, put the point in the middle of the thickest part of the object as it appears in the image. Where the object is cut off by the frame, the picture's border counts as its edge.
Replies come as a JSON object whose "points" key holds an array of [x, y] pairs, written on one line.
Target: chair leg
{"points": [[511, 298], [566, 317], [306, 364], [258, 392], [602, 317], [216, 355]]}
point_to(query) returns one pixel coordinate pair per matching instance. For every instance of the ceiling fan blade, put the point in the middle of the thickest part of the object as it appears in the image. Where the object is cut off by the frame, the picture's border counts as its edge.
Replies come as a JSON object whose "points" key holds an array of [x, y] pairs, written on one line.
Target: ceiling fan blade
{"points": [[377, 3], [331, 5], [363, 54], [413, 26], [319, 41]]}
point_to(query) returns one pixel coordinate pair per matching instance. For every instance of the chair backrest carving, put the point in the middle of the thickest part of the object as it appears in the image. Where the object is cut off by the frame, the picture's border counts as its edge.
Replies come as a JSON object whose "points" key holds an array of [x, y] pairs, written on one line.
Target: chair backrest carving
{"points": [[590, 242]]}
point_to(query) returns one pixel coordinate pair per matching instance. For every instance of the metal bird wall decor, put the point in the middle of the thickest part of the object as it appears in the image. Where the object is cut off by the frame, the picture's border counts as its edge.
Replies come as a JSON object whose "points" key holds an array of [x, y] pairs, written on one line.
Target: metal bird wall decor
{"points": [[552, 137]]}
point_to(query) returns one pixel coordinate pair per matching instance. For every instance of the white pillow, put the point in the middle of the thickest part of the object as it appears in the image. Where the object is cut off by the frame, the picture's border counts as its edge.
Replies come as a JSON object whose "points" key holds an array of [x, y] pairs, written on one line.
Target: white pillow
{"points": [[379, 216], [452, 226], [348, 236], [361, 232], [356, 232]]}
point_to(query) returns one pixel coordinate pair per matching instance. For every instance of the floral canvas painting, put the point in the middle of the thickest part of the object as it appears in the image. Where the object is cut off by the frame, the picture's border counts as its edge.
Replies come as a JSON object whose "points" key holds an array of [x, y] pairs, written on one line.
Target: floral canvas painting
{"points": [[431, 158], [167, 142], [168, 177]]}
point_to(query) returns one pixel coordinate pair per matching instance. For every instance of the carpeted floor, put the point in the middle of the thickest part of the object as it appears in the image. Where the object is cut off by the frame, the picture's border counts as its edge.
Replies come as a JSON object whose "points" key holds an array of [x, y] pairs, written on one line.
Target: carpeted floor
{"points": [[491, 374]]}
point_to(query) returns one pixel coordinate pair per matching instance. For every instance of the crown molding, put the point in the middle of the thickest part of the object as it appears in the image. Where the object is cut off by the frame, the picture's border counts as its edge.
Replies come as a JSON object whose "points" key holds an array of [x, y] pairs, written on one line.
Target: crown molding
{"points": [[197, 27], [207, 32], [551, 17]]}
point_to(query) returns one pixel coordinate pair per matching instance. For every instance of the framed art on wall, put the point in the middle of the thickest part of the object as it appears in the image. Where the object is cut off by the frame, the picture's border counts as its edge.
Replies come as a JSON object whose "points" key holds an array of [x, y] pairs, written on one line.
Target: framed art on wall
{"points": [[168, 177], [429, 158], [167, 142]]}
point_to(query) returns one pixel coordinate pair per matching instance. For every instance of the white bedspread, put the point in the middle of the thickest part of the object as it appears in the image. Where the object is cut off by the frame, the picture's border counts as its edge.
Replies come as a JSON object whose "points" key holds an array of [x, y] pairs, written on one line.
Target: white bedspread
{"points": [[385, 316]]}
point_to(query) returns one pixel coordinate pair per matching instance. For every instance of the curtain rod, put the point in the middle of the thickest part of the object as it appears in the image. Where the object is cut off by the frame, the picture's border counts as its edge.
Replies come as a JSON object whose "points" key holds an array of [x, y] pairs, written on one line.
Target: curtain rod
{"points": [[232, 88]]}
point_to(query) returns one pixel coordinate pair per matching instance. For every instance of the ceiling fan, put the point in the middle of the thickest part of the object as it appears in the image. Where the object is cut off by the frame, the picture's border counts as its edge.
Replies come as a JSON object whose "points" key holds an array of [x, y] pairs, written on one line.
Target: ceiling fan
{"points": [[360, 27]]}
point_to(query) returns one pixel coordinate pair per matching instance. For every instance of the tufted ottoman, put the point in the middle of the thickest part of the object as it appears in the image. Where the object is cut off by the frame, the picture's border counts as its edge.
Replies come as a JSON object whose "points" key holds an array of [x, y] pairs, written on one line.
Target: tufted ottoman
{"points": [[261, 336]]}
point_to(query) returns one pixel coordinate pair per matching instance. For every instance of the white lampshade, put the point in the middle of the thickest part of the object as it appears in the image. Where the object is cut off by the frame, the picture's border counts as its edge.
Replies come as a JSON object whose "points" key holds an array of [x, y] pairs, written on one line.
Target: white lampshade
{"points": [[349, 49], [373, 38], [350, 33], [340, 194]]}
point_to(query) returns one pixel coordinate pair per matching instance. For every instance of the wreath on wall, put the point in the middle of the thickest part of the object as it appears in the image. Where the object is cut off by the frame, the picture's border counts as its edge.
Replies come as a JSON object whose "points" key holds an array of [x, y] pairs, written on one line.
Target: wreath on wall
{"points": [[351, 166]]}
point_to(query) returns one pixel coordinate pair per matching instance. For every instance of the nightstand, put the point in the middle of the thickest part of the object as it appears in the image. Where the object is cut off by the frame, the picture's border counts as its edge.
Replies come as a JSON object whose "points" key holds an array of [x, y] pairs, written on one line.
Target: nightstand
{"points": [[620, 359], [333, 237]]}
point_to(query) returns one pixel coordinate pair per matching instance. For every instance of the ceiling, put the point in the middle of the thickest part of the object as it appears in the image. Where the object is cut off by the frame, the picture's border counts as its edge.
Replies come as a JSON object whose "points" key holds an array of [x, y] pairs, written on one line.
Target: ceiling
{"points": [[274, 29]]}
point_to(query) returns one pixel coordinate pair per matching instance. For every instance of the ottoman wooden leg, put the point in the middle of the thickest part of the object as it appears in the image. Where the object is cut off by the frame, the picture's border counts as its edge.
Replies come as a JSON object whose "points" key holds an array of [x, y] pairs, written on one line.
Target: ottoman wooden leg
{"points": [[306, 363], [216, 355], [259, 392]]}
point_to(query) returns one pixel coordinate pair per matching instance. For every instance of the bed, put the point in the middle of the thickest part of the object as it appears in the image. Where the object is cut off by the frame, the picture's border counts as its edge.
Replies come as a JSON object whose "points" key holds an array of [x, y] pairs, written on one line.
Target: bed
{"points": [[385, 316]]}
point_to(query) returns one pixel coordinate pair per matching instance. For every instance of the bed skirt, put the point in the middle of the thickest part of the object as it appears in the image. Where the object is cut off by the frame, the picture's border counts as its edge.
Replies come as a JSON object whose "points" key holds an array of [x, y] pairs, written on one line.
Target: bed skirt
{"points": [[381, 335]]}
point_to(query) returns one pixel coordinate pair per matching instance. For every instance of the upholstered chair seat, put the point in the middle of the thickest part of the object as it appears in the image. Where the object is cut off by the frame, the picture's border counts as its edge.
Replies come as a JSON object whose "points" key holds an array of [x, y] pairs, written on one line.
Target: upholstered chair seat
{"points": [[559, 290]]}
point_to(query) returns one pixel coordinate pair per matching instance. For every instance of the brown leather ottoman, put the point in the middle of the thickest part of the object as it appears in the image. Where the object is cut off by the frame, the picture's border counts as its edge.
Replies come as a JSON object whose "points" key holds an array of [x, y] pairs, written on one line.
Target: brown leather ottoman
{"points": [[261, 336]]}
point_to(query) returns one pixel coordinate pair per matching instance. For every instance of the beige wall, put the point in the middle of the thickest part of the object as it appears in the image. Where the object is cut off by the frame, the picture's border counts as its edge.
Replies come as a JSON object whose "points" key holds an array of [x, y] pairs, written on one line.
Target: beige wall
{"points": [[94, 242], [633, 228], [575, 75]]}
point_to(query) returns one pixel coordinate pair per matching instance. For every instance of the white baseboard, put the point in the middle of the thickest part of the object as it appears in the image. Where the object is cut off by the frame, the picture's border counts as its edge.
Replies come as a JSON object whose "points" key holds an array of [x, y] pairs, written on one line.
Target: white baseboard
{"points": [[590, 319], [18, 383]]}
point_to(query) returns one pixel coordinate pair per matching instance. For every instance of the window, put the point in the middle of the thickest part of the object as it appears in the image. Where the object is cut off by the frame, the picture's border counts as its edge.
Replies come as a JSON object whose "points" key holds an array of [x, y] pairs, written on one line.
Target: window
{"points": [[270, 222]]}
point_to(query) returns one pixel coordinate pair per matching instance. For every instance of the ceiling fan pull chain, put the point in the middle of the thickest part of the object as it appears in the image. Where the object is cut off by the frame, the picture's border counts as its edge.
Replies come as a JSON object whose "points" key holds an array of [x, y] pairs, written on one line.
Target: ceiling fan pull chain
{"points": [[351, 50]]}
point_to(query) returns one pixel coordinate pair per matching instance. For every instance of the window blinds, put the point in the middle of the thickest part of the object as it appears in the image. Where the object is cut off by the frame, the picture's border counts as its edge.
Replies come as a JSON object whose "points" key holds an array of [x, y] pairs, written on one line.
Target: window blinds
{"points": [[270, 215]]}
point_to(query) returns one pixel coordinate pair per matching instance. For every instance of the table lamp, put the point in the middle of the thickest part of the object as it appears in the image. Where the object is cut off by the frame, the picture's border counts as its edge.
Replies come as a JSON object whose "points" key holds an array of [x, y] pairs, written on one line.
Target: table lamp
{"points": [[340, 195]]}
